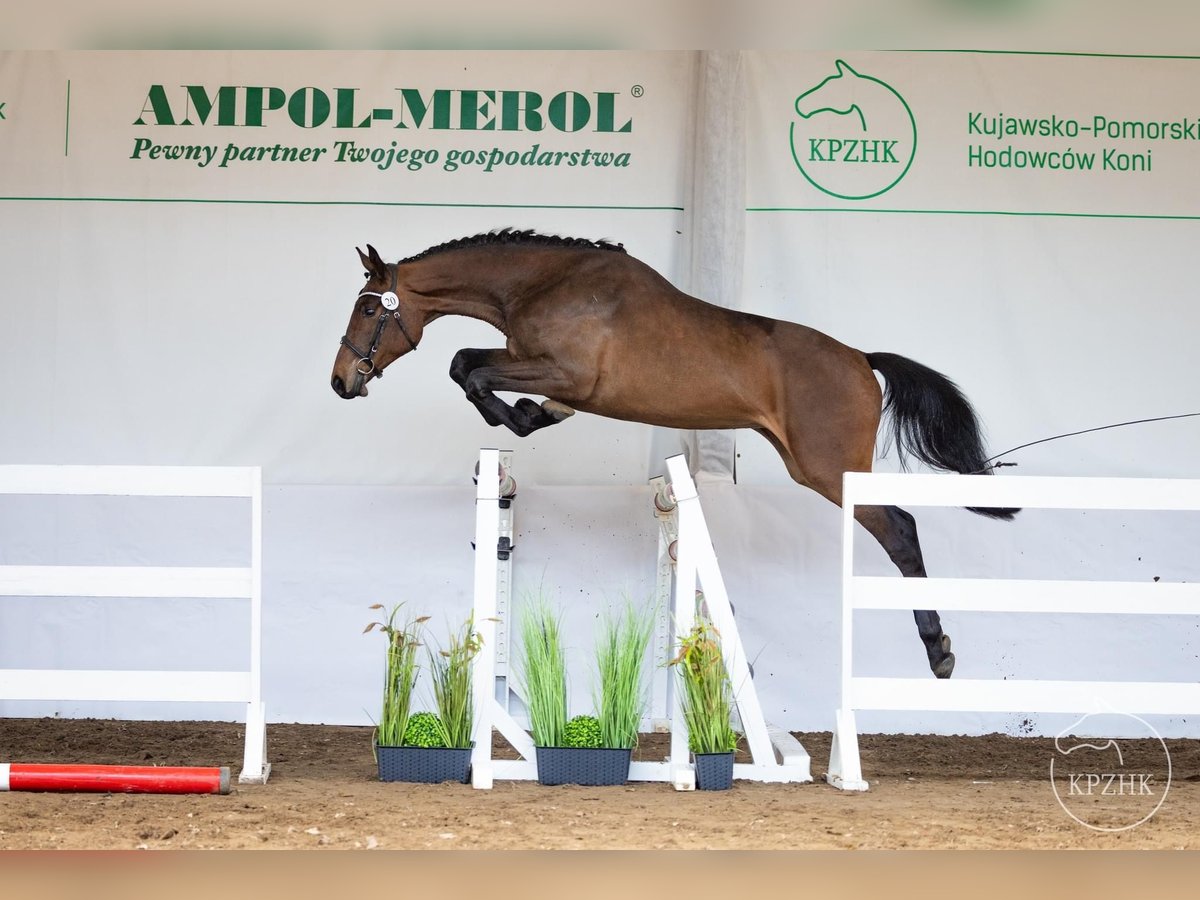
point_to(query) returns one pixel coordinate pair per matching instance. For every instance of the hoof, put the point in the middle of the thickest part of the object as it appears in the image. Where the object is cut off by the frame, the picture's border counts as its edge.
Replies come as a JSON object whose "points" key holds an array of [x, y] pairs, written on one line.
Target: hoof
{"points": [[941, 660], [945, 668], [557, 411]]}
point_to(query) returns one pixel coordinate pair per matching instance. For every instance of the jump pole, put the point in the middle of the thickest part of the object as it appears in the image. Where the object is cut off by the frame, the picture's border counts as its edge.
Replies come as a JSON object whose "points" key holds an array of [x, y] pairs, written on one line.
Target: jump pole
{"points": [[114, 779]]}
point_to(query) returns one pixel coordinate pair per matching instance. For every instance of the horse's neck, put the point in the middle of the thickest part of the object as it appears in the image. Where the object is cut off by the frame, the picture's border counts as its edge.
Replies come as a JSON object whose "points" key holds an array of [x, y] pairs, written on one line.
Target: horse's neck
{"points": [[445, 289]]}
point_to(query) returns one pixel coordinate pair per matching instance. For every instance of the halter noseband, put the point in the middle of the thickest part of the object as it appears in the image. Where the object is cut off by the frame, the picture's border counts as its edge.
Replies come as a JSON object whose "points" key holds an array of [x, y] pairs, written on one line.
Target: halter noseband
{"points": [[366, 361]]}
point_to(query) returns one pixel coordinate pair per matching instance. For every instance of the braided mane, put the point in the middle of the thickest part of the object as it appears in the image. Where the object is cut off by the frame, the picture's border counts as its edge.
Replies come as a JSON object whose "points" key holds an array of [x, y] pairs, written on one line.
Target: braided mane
{"points": [[507, 236]]}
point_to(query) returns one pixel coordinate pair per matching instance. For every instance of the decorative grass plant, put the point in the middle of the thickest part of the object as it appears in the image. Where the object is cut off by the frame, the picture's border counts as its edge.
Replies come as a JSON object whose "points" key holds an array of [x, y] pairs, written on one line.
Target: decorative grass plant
{"points": [[400, 675], [620, 654], [424, 746], [451, 672], [587, 750], [707, 694], [543, 673]]}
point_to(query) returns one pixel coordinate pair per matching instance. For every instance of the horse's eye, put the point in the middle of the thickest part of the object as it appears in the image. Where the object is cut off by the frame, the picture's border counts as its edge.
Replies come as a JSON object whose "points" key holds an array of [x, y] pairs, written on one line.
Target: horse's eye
{"points": [[367, 275], [368, 311]]}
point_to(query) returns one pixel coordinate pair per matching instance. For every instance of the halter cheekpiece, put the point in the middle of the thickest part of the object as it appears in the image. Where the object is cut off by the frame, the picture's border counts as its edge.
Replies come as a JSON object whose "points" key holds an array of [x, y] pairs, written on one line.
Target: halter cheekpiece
{"points": [[391, 302]]}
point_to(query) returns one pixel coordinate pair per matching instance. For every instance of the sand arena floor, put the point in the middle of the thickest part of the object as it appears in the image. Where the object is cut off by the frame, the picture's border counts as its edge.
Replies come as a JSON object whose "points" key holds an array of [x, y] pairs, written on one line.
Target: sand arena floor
{"points": [[926, 792]]}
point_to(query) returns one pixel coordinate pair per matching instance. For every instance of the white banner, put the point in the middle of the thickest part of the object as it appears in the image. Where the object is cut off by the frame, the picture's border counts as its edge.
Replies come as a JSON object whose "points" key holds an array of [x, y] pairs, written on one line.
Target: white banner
{"points": [[554, 128], [971, 133]]}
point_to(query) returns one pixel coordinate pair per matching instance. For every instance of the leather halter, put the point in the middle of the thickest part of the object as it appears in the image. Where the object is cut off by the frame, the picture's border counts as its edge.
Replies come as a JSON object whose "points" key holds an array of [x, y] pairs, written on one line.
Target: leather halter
{"points": [[368, 358]]}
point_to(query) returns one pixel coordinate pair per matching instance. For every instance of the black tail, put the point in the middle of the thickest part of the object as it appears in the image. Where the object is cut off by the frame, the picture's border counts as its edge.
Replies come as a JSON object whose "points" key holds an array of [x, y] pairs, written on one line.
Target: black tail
{"points": [[931, 419]]}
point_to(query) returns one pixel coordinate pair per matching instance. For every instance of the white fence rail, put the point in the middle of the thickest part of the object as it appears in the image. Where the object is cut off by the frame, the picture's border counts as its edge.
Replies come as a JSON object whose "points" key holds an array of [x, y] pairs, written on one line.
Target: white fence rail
{"points": [[1002, 595], [153, 582]]}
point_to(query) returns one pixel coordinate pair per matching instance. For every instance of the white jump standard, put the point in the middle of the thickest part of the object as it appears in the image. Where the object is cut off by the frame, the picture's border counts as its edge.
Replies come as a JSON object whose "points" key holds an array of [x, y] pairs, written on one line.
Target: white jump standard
{"points": [[777, 757]]}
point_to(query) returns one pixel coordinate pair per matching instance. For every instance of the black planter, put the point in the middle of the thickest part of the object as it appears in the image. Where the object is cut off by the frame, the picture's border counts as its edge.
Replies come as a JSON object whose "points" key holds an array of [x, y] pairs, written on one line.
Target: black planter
{"points": [[714, 771], [428, 765], [593, 767]]}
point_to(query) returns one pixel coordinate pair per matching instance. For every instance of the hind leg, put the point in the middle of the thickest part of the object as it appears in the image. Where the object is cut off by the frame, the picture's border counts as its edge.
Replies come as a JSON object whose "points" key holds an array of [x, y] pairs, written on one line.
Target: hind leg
{"points": [[896, 531], [821, 468]]}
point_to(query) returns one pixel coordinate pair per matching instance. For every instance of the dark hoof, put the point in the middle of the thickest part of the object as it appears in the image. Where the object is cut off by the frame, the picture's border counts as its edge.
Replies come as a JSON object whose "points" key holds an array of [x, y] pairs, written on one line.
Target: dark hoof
{"points": [[941, 661], [945, 668]]}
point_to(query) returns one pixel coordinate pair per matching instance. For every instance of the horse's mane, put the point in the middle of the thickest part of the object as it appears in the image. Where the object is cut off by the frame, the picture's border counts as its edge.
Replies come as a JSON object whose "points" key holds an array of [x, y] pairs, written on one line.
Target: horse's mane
{"points": [[505, 236]]}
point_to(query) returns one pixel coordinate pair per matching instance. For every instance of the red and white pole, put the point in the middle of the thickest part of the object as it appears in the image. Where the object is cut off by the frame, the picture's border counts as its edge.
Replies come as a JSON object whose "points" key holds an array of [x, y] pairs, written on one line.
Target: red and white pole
{"points": [[114, 779]]}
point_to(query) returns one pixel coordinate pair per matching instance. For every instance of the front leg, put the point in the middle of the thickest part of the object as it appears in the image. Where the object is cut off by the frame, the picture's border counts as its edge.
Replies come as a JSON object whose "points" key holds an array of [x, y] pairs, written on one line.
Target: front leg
{"points": [[465, 362], [481, 373]]}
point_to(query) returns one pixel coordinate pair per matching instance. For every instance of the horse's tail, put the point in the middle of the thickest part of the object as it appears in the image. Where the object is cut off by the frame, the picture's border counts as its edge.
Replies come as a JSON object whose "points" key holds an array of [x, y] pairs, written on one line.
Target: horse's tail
{"points": [[931, 419]]}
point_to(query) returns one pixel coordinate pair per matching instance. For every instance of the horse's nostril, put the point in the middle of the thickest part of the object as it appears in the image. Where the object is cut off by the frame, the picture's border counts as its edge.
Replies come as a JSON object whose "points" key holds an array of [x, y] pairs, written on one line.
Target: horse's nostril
{"points": [[339, 386]]}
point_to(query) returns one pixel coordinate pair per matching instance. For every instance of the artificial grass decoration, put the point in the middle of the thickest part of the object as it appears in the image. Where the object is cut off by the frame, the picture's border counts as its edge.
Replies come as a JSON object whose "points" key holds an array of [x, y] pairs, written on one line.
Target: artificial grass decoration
{"points": [[400, 675], [620, 652], [424, 730], [707, 694], [542, 672], [451, 672], [582, 731]]}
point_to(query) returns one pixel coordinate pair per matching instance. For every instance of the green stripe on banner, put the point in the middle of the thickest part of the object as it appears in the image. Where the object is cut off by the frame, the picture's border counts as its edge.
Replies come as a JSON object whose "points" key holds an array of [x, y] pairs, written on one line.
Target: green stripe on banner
{"points": [[1057, 53], [968, 212], [338, 203]]}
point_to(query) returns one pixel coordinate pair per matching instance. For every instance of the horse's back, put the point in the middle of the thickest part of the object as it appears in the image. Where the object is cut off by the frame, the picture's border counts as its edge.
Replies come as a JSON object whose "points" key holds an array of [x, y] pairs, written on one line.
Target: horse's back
{"points": [[662, 356]]}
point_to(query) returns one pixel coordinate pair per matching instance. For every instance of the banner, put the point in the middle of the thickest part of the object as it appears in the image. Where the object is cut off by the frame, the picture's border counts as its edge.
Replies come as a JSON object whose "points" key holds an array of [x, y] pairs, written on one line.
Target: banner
{"points": [[554, 128], [978, 133]]}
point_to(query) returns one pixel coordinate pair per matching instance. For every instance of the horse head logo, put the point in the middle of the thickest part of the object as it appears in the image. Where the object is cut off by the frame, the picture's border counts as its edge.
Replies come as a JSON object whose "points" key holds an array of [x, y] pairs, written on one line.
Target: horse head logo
{"points": [[834, 95], [856, 136]]}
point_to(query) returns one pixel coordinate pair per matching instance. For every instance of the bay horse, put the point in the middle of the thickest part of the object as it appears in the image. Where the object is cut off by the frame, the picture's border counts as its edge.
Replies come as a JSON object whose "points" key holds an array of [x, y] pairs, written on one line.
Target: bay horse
{"points": [[591, 328]]}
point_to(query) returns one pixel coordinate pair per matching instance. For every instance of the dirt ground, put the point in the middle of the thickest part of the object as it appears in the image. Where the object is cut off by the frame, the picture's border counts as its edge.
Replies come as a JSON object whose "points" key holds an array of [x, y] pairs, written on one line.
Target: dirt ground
{"points": [[926, 792]]}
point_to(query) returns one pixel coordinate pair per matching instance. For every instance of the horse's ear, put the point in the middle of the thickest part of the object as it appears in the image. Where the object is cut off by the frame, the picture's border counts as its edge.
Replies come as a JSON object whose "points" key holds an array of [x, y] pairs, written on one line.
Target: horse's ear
{"points": [[372, 261], [843, 68]]}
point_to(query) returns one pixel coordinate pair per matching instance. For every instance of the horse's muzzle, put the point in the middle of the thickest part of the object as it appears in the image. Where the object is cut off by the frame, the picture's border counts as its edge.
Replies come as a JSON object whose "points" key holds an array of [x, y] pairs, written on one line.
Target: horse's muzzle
{"points": [[339, 388]]}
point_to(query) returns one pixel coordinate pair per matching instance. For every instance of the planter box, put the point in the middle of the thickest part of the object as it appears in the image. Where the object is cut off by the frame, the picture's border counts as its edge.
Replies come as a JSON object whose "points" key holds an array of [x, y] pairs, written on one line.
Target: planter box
{"points": [[593, 767], [428, 765], [714, 771]]}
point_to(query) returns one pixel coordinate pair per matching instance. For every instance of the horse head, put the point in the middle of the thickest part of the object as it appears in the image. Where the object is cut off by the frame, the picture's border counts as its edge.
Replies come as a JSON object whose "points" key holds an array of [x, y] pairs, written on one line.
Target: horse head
{"points": [[835, 94], [382, 328]]}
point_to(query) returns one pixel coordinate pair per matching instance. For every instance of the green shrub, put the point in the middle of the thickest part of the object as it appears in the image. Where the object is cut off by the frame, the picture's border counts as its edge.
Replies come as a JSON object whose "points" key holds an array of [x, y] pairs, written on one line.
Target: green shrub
{"points": [[424, 730], [582, 731]]}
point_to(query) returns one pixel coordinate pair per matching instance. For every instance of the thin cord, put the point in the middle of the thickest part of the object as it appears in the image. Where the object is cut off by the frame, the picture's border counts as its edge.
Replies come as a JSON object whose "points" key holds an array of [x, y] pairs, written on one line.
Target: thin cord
{"points": [[988, 464]]}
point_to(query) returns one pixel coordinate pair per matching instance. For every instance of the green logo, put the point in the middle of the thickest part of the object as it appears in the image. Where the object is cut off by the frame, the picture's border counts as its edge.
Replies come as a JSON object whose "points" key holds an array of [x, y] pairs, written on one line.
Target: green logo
{"points": [[856, 136]]}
